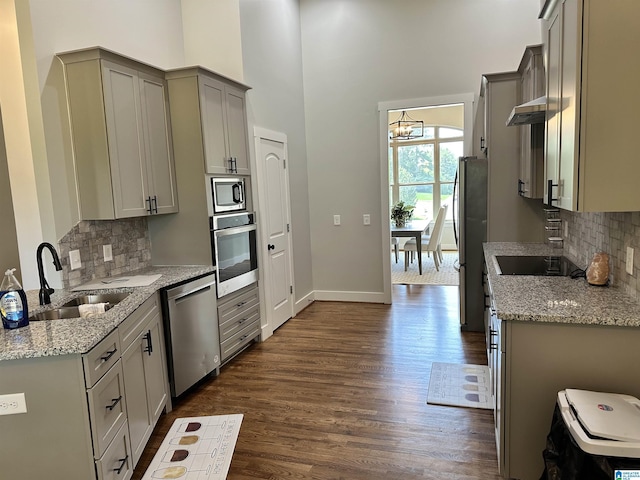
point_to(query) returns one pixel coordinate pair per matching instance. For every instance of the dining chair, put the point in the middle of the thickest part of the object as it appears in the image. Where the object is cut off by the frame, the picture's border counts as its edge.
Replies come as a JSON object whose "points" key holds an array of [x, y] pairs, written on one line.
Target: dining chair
{"points": [[430, 243], [395, 244]]}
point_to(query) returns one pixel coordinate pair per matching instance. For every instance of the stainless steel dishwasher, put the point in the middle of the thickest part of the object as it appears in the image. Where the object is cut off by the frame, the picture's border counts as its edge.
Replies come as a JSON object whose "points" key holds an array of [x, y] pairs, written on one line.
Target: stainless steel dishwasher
{"points": [[191, 332]]}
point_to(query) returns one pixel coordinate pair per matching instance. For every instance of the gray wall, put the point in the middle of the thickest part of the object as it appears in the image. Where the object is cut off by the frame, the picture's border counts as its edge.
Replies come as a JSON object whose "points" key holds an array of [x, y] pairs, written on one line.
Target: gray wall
{"points": [[272, 59], [358, 53]]}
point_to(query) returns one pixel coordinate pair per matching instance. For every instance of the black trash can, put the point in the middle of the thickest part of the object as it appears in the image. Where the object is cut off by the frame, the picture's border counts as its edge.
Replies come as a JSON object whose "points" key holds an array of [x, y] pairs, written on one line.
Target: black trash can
{"points": [[593, 436]]}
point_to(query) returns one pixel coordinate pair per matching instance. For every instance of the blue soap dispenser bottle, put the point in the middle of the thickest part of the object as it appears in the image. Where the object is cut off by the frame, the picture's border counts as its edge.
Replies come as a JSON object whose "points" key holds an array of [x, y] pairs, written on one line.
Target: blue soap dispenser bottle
{"points": [[14, 309]]}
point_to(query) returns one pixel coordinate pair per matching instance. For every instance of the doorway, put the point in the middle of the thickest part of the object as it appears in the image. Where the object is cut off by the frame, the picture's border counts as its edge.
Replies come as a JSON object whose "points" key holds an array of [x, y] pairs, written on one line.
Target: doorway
{"points": [[419, 170]]}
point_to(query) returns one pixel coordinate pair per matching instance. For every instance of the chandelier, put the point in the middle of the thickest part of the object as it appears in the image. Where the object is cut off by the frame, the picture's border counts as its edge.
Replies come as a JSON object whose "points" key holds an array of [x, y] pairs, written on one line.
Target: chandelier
{"points": [[406, 128]]}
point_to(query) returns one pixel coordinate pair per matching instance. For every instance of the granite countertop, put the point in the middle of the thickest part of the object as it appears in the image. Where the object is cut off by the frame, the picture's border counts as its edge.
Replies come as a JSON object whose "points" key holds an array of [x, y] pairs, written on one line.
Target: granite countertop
{"points": [[555, 299], [79, 335]]}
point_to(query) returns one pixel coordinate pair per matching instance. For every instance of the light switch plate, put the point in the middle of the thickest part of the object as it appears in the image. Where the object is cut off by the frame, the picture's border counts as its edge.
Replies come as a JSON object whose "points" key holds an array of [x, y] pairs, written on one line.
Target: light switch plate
{"points": [[107, 253], [629, 262], [74, 259], [366, 219], [336, 220]]}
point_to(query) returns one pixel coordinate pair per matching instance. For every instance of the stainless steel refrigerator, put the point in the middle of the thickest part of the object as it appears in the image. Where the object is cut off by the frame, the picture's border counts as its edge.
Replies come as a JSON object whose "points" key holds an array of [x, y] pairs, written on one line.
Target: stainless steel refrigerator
{"points": [[470, 229]]}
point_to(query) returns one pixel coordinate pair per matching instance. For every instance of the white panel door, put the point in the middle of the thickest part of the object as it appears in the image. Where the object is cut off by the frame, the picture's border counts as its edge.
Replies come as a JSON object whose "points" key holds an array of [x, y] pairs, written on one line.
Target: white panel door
{"points": [[273, 182]]}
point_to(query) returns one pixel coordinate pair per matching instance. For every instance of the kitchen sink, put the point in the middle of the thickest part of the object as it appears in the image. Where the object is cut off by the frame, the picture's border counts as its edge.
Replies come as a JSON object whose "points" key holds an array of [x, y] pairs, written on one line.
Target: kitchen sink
{"points": [[110, 298], [547, 265], [71, 310]]}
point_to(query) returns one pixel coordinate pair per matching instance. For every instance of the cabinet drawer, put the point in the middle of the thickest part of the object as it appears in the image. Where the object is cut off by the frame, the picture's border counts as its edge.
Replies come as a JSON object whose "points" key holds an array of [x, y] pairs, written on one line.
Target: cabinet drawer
{"points": [[239, 340], [116, 463], [130, 329], [233, 307], [101, 358], [239, 322], [107, 408]]}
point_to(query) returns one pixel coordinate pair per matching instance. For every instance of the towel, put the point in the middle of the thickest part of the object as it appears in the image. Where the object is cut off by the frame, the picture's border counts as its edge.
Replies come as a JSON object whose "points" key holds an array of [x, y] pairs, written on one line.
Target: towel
{"points": [[89, 310]]}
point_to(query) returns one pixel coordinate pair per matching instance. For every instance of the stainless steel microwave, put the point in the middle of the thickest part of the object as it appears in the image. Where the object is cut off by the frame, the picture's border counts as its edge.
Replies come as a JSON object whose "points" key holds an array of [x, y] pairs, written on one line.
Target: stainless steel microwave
{"points": [[228, 195]]}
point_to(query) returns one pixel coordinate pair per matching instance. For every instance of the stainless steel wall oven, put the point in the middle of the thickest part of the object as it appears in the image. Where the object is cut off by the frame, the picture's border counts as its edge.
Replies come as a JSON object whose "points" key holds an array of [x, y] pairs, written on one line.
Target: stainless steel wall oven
{"points": [[234, 249]]}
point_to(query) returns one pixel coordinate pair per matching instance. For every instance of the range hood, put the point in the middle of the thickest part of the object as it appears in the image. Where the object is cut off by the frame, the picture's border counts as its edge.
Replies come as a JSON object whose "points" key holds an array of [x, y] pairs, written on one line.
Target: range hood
{"points": [[528, 113]]}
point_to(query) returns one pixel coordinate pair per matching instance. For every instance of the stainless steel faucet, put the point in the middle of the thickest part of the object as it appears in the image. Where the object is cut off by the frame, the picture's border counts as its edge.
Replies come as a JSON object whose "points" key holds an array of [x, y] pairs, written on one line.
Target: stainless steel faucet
{"points": [[45, 290]]}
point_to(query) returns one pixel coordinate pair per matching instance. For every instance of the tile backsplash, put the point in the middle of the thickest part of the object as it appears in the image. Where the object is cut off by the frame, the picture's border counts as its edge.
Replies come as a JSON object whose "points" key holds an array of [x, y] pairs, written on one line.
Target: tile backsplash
{"points": [[130, 245], [610, 233]]}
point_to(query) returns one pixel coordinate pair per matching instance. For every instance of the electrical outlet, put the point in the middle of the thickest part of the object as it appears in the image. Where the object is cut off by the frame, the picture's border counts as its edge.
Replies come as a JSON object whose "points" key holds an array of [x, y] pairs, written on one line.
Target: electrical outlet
{"points": [[629, 262], [74, 259], [107, 253], [336, 220], [12, 403], [366, 219]]}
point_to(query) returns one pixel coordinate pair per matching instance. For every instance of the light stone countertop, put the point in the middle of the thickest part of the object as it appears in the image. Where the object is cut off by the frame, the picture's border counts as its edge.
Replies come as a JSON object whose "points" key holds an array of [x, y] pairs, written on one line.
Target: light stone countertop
{"points": [[555, 299], [79, 335]]}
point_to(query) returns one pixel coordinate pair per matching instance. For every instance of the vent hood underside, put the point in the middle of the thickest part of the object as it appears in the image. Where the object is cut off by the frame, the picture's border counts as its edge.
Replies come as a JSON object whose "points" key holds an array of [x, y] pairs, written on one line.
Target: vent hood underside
{"points": [[528, 113]]}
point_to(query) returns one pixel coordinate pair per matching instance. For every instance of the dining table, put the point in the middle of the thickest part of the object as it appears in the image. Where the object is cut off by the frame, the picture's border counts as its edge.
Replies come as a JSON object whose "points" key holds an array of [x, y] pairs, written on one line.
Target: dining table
{"points": [[415, 229]]}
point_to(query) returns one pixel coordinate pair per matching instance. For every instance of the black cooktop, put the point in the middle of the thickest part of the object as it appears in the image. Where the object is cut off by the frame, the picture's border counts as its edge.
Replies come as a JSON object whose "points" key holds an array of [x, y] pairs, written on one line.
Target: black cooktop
{"points": [[535, 265]]}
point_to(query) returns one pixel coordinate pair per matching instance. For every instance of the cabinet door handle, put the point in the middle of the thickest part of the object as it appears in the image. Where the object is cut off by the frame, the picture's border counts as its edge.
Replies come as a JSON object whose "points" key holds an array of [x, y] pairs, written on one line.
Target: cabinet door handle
{"points": [[149, 209], [123, 462], [155, 204], [115, 402], [270, 246], [482, 143], [149, 347], [520, 187], [550, 186], [109, 354]]}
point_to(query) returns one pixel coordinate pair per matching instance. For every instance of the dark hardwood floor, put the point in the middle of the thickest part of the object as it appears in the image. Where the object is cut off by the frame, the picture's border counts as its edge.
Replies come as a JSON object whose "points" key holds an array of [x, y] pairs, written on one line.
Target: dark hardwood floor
{"points": [[339, 392]]}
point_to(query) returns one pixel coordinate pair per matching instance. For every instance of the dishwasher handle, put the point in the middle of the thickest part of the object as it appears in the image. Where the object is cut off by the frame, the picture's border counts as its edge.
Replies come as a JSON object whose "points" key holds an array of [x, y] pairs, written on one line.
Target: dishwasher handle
{"points": [[185, 296], [177, 294]]}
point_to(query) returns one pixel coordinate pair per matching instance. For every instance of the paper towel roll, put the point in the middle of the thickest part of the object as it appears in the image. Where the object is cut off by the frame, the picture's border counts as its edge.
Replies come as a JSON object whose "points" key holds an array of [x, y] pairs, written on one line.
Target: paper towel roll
{"points": [[88, 310]]}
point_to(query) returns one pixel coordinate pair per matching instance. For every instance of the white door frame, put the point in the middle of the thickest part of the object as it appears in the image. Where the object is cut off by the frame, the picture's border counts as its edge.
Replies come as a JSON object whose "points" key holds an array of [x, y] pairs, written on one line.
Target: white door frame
{"points": [[264, 133], [383, 111]]}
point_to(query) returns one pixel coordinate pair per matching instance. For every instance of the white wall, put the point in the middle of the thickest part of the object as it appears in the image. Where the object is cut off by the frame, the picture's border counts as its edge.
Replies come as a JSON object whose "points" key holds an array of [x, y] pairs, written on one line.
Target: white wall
{"points": [[272, 60], [212, 36], [358, 53]]}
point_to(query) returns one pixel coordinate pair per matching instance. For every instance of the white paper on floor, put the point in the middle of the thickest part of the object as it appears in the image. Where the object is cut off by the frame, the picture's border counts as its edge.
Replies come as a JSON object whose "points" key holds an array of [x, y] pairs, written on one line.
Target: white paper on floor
{"points": [[196, 448], [460, 385]]}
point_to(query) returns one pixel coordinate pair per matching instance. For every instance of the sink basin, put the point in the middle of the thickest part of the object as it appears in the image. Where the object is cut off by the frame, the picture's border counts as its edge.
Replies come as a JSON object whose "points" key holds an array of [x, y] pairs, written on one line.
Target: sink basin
{"points": [[71, 310], [547, 265], [110, 298], [56, 314]]}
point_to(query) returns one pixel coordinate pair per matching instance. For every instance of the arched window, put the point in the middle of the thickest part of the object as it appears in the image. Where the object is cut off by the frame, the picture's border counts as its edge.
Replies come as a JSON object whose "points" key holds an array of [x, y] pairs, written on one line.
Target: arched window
{"points": [[422, 171]]}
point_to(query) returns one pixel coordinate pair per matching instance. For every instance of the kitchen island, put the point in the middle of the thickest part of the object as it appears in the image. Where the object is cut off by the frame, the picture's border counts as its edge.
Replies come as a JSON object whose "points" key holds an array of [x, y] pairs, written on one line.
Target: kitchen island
{"points": [[94, 388], [547, 334]]}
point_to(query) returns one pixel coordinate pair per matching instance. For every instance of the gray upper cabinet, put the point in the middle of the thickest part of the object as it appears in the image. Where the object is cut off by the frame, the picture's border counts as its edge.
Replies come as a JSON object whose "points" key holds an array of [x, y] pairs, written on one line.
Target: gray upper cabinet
{"points": [[119, 116], [592, 105], [221, 114], [532, 85]]}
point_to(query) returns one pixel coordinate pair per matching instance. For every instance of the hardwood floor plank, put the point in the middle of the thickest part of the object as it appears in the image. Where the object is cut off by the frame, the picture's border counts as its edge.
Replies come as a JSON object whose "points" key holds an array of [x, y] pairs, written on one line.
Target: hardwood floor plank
{"points": [[339, 392]]}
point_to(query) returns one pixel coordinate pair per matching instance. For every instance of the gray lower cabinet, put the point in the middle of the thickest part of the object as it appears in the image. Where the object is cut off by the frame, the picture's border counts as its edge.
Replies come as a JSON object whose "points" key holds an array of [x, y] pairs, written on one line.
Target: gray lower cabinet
{"points": [[532, 361], [239, 320], [144, 372], [88, 416]]}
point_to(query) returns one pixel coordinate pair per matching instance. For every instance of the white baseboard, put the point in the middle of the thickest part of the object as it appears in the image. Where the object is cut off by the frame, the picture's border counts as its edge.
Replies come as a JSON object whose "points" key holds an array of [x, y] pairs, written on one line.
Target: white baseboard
{"points": [[303, 303], [335, 296]]}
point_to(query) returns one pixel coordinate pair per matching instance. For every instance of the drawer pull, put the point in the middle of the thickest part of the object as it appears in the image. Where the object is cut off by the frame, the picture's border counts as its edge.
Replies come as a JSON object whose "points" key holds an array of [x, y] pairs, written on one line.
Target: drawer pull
{"points": [[123, 462], [240, 304], [109, 354], [115, 402], [240, 322], [149, 347]]}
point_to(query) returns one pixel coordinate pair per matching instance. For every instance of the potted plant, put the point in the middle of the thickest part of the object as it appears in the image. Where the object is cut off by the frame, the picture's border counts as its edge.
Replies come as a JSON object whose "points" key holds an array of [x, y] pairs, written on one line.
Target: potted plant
{"points": [[400, 213]]}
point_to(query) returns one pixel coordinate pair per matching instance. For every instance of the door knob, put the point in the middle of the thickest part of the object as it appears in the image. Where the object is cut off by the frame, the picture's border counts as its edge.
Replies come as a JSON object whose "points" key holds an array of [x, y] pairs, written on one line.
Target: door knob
{"points": [[271, 247]]}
